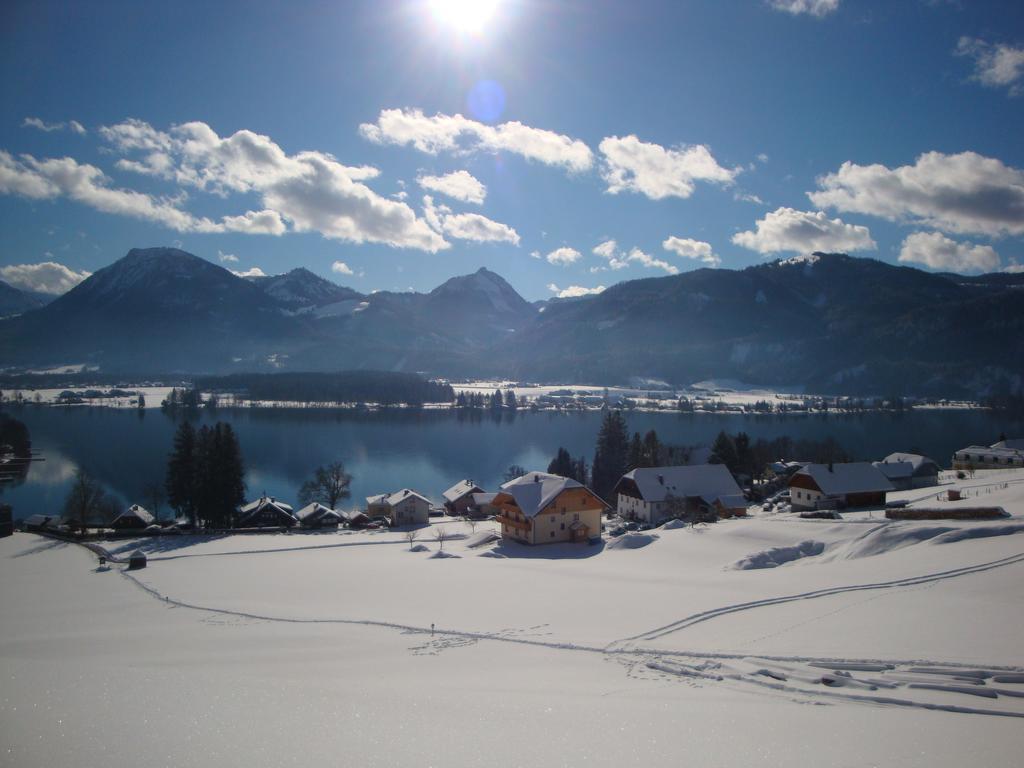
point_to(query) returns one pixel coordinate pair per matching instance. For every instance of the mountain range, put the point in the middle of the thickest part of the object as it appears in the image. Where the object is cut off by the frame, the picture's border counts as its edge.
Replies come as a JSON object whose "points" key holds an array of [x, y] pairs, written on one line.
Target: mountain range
{"points": [[827, 322], [14, 301]]}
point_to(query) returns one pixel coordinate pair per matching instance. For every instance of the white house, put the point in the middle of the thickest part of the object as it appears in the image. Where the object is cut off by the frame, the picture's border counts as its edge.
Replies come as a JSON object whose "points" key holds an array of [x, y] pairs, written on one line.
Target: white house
{"points": [[404, 507], [652, 494], [1001, 455], [853, 484]]}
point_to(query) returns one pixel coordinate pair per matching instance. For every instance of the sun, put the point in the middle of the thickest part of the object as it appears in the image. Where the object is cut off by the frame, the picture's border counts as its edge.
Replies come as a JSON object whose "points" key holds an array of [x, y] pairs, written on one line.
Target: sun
{"points": [[466, 16]]}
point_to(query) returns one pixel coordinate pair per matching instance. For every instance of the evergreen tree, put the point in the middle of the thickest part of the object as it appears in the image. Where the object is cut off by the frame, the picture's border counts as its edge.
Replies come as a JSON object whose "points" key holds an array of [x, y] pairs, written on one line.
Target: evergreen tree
{"points": [[497, 400], [513, 472], [181, 472], [510, 399], [141, 402], [723, 451], [651, 450], [562, 464], [635, 456], [460, 399], [610, 454], [579, 470], [220, 485]]}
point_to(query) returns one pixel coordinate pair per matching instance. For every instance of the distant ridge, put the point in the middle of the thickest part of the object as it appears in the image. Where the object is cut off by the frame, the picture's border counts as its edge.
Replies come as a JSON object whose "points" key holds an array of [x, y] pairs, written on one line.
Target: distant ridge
{"points": [[835, 323]]}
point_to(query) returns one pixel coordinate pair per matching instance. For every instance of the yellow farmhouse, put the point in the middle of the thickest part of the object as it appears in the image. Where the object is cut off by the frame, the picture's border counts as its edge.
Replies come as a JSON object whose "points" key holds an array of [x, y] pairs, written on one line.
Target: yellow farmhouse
{"points": [[539, 508]]}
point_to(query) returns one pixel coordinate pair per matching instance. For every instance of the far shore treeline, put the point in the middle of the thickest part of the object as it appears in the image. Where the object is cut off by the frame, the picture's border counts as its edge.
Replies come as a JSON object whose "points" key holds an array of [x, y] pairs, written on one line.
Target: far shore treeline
{"points": [[382, 387]]}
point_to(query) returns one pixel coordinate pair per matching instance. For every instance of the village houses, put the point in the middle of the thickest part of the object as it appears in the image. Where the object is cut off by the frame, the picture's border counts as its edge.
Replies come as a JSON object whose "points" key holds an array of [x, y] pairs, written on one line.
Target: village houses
{"points": [[540, 508], [404, 507], [654, 494]]}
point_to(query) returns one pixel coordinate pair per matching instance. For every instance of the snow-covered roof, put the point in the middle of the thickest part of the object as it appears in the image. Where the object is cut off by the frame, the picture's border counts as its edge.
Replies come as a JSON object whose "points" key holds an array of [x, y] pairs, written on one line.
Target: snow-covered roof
{"points": [[922, 465], [352, 516], [316, 509], [708, 481], [732, 501], [404, 494], [994, 452], [393, 498], [253, 506], [896, 470], [535, 490], [138, 512], [38, 519], [483, 498], [1013, 445], [460, 489], [852, 477]]}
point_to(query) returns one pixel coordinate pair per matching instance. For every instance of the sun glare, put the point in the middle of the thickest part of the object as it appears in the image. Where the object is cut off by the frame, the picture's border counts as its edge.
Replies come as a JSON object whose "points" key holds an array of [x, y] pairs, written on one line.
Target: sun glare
{"points": [[466, 16]]}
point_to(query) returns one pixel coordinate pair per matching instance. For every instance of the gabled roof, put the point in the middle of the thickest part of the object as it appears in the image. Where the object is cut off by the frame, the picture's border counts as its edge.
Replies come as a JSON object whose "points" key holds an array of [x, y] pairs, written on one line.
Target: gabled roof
{"points": [[314, 510], [1013, 445], [840, 479], [896, 470], [708, 481], [138, 512], [483, 498], [535, 490], [460, 489], [393, 498], [262, 501], [921, 465]]}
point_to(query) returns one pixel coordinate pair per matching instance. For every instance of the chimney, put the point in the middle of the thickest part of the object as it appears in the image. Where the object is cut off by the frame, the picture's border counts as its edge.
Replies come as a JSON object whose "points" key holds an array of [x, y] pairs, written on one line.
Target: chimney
{"points": [[661, 479], [536, 478]]}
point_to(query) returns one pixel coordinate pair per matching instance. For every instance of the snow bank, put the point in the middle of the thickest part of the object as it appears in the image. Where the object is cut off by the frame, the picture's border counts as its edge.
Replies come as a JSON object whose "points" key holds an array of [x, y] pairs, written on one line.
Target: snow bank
{"points": [[672, 525], [479, 539], [419, 548], [889, 537], [442, 555], [633, 541], [776, 556]]}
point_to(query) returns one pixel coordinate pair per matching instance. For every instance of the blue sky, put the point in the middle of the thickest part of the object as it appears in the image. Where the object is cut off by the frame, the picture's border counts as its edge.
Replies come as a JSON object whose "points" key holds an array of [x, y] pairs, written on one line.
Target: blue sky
{"points": [[394, 145]]}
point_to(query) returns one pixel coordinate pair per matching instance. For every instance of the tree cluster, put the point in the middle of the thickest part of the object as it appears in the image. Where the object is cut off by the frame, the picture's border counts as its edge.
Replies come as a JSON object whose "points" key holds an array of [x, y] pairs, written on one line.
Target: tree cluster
{"points": [[205, 474], [382, 387], [565, 465], [610, 455]]}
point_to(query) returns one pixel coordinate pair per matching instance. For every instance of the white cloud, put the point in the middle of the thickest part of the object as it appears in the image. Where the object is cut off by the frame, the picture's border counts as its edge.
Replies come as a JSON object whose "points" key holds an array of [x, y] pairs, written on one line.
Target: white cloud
{"points": [[816, 8], [311, 191], [563, 256], [1014, 268], [786, 229], [41, 125], [608, 250], [747, 197], [965, 193], [460, 185], [534, 254], [342, 268], [466, 226], [631, 165], [574, 291], [937, 251], [455, 133], [46, 277], [996, 65], [253, 272], [227, 257], [645, 259], [697, 250]]}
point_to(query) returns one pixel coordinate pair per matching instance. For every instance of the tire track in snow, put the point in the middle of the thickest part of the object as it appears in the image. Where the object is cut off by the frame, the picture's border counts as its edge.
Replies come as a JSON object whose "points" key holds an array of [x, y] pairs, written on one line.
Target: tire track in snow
{"points": [[714, 613]]}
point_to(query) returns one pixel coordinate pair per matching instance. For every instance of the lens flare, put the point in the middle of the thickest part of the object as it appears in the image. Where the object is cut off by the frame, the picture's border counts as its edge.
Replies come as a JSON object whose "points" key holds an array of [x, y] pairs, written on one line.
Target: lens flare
{"points": [[466, 16]]}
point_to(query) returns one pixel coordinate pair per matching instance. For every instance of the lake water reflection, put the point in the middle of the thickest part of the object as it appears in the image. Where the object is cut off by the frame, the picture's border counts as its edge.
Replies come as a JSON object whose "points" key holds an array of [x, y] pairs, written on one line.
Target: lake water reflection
{"points": [[427, 450]]}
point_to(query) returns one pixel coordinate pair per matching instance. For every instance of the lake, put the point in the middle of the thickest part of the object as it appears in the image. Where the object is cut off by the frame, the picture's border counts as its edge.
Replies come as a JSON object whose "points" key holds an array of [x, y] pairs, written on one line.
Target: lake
{"points": [[426, 450]]}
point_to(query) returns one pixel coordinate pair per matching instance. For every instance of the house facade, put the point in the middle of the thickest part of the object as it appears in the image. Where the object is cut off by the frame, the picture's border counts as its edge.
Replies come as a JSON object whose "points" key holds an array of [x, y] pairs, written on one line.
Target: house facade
{"points": [[459, 498], [838, 486], [540, 508], [654, 494], [404, 507], [1001, 455]]}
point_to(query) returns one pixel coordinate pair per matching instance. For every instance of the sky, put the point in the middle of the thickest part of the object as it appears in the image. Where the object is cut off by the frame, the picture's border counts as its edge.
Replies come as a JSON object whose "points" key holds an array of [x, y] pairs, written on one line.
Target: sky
{"points": [[564, 145]]}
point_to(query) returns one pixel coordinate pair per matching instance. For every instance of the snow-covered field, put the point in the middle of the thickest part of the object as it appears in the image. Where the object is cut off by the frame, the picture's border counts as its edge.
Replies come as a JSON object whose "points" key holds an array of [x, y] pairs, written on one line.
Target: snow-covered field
{"points": [[771, 640]]}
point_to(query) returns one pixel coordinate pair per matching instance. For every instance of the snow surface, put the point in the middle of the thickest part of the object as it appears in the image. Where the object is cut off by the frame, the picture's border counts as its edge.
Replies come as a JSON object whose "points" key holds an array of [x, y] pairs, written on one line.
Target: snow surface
{"points": [[225, 650]]}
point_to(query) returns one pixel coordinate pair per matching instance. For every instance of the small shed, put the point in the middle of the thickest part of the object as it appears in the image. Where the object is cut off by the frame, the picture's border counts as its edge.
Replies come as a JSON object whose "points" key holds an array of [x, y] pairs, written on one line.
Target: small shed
{"points": [[136, 560]]}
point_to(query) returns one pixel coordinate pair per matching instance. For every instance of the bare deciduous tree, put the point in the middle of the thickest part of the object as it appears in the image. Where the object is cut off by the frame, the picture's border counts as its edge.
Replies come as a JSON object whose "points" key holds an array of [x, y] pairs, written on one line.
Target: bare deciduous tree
{"points": [[441, 535], [410, 536]]}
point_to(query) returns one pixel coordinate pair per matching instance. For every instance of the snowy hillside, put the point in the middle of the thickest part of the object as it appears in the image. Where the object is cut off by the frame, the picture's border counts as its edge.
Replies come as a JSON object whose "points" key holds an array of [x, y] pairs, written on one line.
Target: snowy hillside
{"points": [[909, 630]]}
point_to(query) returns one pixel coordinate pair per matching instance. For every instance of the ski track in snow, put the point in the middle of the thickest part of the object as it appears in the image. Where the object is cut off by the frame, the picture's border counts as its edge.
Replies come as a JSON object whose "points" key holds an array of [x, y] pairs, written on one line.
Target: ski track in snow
{"points": [[713, 668]]}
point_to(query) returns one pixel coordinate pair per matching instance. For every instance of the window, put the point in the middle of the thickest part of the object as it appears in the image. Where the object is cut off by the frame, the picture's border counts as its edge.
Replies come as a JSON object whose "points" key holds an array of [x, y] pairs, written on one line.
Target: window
{"points": [[552, 518], [552, 534], [576, 516], [563, 526]]}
